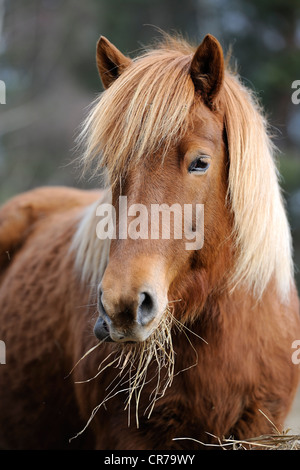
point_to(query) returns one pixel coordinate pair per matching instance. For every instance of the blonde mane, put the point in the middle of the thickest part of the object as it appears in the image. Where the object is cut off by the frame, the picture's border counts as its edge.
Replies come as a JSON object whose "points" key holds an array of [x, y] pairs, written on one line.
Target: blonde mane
{"points": [[262, 233], [147, 109]]}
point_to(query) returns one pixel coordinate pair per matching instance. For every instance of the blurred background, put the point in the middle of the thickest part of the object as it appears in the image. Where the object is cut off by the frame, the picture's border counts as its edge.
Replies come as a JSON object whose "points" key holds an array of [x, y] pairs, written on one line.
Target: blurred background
{"points": [[47, 61]]}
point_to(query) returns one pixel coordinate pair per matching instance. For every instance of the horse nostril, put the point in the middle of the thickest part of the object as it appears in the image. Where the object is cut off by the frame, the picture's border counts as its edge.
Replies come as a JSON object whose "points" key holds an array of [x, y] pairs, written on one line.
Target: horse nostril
{"points": [[101, 330], [146, 308], [101, 308], [125, 316], [146, 301]]}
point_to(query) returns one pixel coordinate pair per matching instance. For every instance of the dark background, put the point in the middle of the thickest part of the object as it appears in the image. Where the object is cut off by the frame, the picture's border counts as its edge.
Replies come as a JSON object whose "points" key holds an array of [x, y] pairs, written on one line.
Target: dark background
{"points": [[47, 61]]}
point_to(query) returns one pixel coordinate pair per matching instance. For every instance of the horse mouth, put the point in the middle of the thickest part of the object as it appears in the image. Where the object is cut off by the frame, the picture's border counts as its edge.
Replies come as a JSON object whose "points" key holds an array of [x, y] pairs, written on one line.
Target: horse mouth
{"points": [[106, 332], [103, 333]]}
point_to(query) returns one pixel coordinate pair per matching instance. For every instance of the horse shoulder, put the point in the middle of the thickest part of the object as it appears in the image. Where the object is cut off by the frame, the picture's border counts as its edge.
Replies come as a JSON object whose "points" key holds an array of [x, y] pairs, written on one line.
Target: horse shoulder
{"points": [[20, 214]]}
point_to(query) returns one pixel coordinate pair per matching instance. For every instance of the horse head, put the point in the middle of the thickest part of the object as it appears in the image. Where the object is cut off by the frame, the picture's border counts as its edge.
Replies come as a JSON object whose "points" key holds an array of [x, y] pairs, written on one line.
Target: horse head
{"points": [[176, 130]]}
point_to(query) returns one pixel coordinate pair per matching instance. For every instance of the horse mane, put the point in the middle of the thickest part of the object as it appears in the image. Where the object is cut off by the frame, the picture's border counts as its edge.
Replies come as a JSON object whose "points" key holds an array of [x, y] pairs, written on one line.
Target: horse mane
{"points": [[148, 109], [90, 253], [261, 230]]}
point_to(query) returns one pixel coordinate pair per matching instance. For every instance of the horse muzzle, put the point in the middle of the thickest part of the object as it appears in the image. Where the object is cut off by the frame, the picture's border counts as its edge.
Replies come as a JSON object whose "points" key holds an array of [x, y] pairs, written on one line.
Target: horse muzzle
{"points": [[105, 331], [131, 318]]}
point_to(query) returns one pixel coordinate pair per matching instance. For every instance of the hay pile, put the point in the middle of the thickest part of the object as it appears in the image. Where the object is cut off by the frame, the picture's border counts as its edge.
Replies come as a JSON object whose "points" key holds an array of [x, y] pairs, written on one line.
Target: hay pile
{"points": [[283, 441], [274, 441]]}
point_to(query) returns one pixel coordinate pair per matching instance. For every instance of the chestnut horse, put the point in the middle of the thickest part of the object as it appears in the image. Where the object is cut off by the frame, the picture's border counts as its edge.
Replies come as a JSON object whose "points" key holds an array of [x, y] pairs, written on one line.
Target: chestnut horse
{"points": [[121, 342]]}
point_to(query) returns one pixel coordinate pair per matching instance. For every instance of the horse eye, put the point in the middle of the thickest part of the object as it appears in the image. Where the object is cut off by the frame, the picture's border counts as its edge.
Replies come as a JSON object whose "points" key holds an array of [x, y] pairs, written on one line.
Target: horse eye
{"points": [[199, 165]]}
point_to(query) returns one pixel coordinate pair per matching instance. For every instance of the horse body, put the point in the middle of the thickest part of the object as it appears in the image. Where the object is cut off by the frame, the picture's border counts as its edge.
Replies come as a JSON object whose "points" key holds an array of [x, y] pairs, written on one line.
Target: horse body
{"points": [[217, 323], [40, 335]]}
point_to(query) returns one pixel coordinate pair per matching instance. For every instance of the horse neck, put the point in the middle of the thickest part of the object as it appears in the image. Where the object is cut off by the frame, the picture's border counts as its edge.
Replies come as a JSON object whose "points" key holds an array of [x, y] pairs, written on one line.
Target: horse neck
{"points": [[228, 324]]}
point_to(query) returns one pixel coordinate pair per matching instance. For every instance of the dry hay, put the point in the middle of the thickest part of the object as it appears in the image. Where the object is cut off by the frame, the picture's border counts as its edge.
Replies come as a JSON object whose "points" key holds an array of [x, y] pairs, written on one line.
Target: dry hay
{"points": [[274, 441], [132, 362]]}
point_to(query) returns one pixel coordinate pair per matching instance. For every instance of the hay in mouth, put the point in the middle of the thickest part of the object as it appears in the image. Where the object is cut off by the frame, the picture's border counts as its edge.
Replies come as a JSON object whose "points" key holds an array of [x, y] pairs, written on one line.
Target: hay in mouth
{"points": [[132, 362]]}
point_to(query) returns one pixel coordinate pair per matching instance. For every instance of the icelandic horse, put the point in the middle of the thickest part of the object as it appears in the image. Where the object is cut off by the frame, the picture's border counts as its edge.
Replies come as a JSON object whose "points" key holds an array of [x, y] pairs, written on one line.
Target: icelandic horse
{"points": [[118, 342]]}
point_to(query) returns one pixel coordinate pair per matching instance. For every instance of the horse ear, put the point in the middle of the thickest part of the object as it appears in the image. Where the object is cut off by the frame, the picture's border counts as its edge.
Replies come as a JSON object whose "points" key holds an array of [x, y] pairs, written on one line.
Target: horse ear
{"points": [[207, 68], [110, 61]]}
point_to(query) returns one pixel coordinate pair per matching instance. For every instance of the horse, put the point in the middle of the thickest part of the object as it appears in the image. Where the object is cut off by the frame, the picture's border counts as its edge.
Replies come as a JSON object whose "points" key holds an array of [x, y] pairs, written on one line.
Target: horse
{"points": [[141, 342]]}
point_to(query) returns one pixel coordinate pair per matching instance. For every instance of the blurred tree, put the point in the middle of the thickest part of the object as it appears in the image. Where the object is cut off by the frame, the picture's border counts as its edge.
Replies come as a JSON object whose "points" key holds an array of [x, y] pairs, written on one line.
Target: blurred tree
{"points": [[265, 40]]}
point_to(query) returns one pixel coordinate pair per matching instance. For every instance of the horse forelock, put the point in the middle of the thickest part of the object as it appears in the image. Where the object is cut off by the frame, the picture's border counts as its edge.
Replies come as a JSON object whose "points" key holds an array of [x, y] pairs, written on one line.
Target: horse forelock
{"points": [[145, 111], [148, 109]]}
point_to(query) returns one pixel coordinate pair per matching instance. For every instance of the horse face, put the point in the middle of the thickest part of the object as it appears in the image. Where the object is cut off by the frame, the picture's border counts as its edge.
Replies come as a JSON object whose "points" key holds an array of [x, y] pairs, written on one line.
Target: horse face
{"points": [[143, 265], [152, 255]]}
